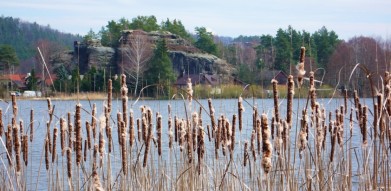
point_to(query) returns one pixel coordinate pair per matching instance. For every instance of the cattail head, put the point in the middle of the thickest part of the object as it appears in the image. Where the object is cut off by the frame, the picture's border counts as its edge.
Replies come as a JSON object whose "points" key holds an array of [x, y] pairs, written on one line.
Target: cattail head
{"points": [[54, 144], [266, 145], [300, 66], [97, 185]]}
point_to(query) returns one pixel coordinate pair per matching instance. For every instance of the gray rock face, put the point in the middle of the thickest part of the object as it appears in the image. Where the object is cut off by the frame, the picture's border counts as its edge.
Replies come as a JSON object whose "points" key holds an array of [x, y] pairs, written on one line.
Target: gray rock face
{"points": [[185, 57]]}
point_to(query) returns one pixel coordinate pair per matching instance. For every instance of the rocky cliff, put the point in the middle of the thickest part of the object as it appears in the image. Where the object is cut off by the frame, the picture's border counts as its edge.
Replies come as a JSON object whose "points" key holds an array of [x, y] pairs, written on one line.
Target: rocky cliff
{"points": [[185, 57]]}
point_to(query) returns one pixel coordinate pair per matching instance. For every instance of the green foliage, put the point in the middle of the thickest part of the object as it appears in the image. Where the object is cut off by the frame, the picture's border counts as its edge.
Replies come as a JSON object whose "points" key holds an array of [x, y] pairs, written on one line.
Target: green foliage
{"points": [[176, 27], [160, 70], [245, 74], [23, 36], [90, 36], [205, 41], [145, 23], [326, 43], [8, 57]]}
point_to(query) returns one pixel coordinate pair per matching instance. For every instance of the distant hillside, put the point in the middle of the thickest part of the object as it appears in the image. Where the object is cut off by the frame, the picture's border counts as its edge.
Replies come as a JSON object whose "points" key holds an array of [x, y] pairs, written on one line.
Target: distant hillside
{"points": [[23, 36]]}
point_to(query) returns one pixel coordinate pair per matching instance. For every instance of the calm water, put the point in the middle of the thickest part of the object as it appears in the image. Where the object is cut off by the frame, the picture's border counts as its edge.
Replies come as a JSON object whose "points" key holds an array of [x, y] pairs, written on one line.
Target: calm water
{"points": [[226, 107]]}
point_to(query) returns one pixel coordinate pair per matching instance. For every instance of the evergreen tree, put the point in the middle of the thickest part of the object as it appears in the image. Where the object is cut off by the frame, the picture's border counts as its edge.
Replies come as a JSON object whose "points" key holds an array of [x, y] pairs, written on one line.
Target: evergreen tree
{"points": [[160, 69], [205, 41], [8, 57]]}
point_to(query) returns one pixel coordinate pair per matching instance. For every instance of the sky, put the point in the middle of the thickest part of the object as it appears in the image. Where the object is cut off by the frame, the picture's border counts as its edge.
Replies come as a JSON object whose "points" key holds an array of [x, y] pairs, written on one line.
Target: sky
{"points": [[348, 18]]}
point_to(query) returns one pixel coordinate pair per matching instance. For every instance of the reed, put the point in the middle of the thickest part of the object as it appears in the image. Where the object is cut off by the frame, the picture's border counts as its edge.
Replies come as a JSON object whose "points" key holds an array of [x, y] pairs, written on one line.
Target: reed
{"points": [[177, 157]]}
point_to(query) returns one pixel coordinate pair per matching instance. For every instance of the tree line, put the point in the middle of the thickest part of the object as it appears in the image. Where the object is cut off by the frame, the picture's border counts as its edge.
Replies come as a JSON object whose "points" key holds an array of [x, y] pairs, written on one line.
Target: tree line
{"points": [[253, 56]]}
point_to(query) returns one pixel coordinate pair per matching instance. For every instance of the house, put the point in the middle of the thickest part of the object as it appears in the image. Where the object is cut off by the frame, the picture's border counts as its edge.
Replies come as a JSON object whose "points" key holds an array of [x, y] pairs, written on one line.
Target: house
{"points": [[18, 81], [281, 78], [13, 81]]}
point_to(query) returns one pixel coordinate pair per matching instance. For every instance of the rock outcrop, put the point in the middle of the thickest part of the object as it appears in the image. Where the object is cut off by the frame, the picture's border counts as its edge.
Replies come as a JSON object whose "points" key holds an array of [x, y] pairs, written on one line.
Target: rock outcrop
{"points": [[186, 58]]}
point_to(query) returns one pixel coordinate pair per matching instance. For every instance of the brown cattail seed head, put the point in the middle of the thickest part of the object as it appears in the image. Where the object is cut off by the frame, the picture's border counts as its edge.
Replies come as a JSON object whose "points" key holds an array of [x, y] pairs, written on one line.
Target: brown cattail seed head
{"points": [[266, 145]]}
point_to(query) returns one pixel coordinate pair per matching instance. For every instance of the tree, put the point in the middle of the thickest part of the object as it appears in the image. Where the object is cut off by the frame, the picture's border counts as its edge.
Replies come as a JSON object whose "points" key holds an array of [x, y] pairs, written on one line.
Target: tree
{"points": [[138, 50], [205, 41], [145, 23], [8, 57], [160, 69], [176, 27], [326, 42]]}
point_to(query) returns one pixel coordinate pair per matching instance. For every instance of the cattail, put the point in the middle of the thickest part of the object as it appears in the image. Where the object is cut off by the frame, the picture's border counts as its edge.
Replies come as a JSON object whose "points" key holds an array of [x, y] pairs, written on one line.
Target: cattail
{"points": [[212, 116], [259, 135], [291, 92], [159, 134], [93, 121], [9, 143], [78, 134], [131, 129], [252, 145], [110, 139], [139, 132], [14, 106], [333, 141], [119, 123], [101, 139], [364, 126], [201, 147], [266, 145], [189, 139], [300, 66], [25, 149], [54, 144], [1, 123], [240, 112], [124, 155], [303, 133], [16, 140], [275, 99], [255, 115], [69, 162], [217, 138], [48, 136], [189, 90], [170, 133], [195, 126], [233, 132], [97, 185], [312, 91], [181, 133], [148, 139], [176, 128], [88, 130], [109, 95], [85, 150], [21, 129], [47, 153], [245, 153], [124, 98], [94, 156], [70, 129], [144, 128]]}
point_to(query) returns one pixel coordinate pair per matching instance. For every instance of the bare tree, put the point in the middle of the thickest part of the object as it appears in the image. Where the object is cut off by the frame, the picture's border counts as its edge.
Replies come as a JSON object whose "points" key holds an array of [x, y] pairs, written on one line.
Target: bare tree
{"points": [[138, 50]]}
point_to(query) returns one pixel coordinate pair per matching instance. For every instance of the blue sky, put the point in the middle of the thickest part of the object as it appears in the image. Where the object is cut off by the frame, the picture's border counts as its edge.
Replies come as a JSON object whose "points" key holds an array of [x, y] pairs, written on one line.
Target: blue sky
{"points": [[348, 18]]}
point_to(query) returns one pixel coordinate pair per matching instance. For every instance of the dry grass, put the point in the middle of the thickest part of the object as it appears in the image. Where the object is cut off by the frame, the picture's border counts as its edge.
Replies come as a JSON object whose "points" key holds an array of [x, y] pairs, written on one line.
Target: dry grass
{"points": [[319, 155]]}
